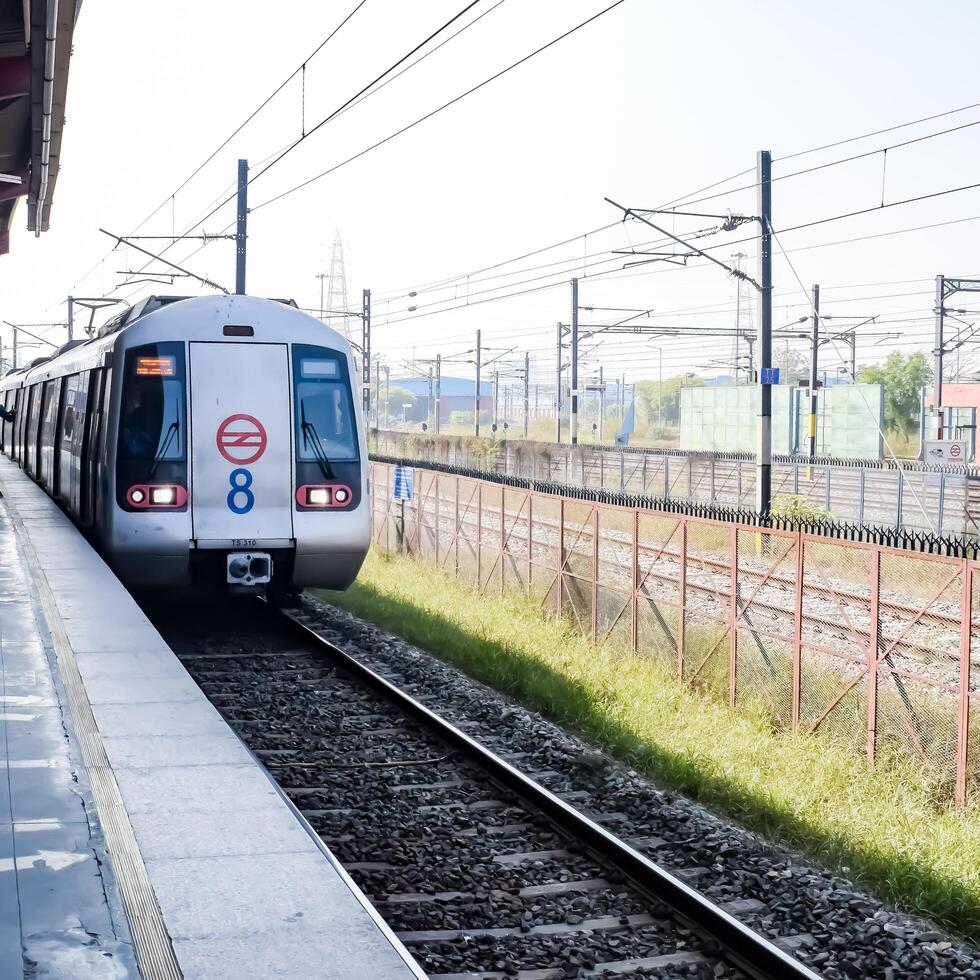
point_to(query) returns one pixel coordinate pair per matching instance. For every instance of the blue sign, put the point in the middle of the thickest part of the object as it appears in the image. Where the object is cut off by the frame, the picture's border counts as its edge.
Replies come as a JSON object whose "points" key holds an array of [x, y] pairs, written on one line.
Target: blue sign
{"points": [[404, 482], [769, 376]]}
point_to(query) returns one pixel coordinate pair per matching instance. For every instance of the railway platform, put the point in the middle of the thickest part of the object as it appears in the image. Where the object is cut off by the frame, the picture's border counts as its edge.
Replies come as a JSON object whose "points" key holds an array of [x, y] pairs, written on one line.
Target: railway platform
{"points": [[138, 835]]}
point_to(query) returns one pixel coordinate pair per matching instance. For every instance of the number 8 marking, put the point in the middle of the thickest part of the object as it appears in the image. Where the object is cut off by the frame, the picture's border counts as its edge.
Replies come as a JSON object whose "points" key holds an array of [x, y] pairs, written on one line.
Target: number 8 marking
{"points": [[243, 487]]}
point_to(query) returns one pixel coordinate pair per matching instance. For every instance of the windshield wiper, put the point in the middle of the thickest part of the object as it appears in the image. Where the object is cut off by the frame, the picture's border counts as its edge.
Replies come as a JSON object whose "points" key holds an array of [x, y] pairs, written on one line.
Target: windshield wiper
{"points": [[172, 430], [312, 438]]}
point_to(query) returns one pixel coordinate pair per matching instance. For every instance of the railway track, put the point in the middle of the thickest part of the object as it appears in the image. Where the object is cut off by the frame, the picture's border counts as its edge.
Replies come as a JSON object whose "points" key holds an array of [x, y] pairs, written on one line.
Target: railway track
{"points": [[932, 647], [484, 864]]}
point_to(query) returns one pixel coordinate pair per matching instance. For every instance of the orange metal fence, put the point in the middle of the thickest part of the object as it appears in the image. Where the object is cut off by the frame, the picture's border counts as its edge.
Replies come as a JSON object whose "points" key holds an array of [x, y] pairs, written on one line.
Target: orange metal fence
{"points": [[877, 649]]}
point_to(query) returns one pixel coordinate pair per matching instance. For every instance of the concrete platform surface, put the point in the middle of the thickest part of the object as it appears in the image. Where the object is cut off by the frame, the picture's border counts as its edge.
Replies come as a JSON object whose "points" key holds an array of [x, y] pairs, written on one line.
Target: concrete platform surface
{"points": [[138, 836]]}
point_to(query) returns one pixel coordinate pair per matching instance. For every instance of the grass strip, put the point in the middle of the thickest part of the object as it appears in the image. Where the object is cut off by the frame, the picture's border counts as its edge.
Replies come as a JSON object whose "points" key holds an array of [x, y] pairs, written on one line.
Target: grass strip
{"points": [[883, 827]]}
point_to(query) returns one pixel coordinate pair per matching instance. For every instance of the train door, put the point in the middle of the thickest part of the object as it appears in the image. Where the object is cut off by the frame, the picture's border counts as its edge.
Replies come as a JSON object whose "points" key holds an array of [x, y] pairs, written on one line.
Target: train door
{"points": [[241, 459], [89, 449]]}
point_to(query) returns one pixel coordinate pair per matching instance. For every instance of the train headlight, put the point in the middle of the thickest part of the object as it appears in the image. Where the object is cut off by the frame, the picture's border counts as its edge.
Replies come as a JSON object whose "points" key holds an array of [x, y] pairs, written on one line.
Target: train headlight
{"points": [[147, 496], [323, 496], [163, 496]]}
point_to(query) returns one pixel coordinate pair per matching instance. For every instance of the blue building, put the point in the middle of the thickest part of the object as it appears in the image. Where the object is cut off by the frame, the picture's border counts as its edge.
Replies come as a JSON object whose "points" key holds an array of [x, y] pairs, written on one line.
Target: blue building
{"points": [[456, 396]]}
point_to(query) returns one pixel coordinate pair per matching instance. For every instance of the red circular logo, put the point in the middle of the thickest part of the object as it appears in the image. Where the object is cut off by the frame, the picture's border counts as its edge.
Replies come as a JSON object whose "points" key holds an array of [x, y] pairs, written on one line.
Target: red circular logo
{"points": [[954, 451], [241, 439]]}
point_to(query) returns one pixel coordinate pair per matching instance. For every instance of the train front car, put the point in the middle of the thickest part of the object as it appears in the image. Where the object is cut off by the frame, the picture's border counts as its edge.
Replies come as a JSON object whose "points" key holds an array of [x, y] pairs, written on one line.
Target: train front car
{"points": [[237, 450]]}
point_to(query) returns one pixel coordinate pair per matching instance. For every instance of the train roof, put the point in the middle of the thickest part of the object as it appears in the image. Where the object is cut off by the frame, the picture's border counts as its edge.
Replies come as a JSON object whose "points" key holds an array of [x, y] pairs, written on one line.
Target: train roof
{"points": [[151, 304], [87, 352]]}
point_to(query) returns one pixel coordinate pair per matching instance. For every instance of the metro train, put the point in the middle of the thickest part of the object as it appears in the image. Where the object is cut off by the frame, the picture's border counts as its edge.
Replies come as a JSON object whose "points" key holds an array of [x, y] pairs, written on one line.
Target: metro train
{"points": [[200, 441]]}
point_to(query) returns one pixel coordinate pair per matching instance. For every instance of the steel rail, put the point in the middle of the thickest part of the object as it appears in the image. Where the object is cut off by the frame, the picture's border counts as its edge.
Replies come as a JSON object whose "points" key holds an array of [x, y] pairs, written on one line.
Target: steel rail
{"points": [[753, 953]]}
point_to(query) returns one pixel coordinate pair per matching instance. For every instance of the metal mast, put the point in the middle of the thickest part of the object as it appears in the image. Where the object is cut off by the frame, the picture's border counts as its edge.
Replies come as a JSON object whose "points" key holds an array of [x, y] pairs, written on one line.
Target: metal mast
{"points": [[337, 284]]}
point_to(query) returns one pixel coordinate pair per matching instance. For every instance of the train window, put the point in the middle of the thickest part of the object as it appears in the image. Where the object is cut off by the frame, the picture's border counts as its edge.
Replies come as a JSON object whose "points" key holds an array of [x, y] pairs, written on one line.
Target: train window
{"points": [[152, 424], [323, 405]]}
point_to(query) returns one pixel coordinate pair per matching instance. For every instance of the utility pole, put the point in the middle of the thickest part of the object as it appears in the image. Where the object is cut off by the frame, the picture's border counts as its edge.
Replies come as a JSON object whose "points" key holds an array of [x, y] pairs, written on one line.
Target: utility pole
{"points": [[387, 396], [476, 392], [431, 398], [622, 399], [496, 396], [763, 462], [240, 230], [660, 387], [71, 318], [321, 276], [377, 393], [527, 390], [573, 423], [438, 422], [738, 256], [602, 402], [814, 347], [937, 363], [366, 349], [558, 388], [15, 347]]}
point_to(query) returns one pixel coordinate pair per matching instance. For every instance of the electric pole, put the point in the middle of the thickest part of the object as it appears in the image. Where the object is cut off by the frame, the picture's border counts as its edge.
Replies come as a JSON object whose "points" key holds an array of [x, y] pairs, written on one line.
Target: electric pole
{"points": [[377, 393], [602, 402], [438, 422], [476, 391], [763, 464], [527, 390], [321, 276], [431, 398], [558, 388], [937, 369], [573, 425], [71, 319], [496, 396], [240, 230], [366, 350], [814, 347]]}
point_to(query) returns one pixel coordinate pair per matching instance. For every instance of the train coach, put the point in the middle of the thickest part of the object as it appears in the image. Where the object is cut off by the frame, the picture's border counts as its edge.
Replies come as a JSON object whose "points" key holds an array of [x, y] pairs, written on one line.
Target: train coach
{"points": [[203, 441]]}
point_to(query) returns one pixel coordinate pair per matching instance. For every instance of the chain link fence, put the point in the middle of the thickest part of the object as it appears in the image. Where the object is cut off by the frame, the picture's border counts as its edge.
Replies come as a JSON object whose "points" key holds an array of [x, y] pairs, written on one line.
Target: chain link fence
{"points": [[911, 496], [876, 648]]}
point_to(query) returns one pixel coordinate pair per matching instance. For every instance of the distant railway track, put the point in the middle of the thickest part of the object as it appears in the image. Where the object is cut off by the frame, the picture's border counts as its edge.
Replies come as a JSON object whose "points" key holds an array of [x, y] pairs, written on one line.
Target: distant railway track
{"points": [[480, 869], [836, 622], [912, 495]]}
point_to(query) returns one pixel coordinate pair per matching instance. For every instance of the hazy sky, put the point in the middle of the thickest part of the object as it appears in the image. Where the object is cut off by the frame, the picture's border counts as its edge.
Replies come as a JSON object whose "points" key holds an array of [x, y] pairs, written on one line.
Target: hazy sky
{"points": [[646, 105]]}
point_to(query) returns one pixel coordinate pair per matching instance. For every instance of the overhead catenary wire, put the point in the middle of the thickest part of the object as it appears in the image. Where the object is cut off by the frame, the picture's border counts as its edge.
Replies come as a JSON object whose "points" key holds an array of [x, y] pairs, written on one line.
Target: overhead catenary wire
{"points": [[368, 90], [436, 111], [171, 196]]}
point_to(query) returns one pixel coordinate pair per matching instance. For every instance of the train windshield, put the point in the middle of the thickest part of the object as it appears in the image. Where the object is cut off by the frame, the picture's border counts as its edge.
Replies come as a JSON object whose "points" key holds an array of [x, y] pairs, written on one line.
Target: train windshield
{"points": [[152, 424], [325, 430]]}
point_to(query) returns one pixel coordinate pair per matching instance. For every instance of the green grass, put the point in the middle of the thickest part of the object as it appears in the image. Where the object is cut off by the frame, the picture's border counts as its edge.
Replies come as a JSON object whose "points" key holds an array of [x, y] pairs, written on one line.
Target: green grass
{"points": [[889, 828]]}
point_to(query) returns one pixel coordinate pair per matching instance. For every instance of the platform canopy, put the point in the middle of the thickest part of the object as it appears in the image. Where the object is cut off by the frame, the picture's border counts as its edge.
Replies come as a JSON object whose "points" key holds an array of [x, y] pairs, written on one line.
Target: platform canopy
{"points": [[35, 48]]}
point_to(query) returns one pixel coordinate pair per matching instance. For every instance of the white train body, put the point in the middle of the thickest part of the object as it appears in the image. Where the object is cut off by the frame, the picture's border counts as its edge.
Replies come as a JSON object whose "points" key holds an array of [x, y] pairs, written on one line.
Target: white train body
{"points": [[216, 439]]}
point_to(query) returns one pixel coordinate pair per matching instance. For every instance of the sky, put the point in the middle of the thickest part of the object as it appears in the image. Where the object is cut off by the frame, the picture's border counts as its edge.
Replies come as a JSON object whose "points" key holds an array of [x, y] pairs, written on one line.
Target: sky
{"points": [[646, 105]]}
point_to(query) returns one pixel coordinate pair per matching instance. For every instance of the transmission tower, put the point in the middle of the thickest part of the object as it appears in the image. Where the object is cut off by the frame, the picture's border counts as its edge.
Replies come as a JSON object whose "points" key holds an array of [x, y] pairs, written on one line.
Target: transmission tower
{"points": [[337, 287]]}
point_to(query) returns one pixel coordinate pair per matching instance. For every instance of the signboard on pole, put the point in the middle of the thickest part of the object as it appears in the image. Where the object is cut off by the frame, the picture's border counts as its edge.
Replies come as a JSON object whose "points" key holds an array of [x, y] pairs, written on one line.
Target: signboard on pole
{"points": [[948, 451], [404, 482], [769, 376]]}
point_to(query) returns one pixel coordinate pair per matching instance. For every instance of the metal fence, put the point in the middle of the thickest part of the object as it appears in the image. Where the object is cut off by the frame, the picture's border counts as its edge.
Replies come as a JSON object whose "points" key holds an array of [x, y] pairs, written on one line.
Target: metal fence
{"points": [[911, 496], [871, 647]]}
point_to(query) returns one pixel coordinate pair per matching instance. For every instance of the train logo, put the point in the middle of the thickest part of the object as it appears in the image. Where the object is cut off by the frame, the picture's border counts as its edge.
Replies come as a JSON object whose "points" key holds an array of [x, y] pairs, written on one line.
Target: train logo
{"points": [[241, 439]]}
